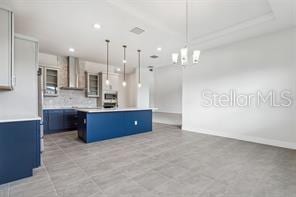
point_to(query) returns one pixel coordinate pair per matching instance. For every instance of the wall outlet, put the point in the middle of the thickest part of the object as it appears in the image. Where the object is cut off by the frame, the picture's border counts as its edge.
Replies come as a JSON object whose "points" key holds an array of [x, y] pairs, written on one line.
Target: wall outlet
{"points": [[136, 122]]}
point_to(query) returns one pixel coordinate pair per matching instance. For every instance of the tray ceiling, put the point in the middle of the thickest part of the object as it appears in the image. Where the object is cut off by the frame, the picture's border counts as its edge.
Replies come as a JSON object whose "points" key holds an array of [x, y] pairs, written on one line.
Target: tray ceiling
{"points": [[60, 24]]}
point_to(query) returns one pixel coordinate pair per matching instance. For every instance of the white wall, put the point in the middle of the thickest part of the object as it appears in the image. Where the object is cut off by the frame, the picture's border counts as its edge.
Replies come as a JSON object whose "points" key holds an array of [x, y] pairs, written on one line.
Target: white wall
{"points": [[262, 63], [140, 97], [132, 89], [48, 60], [144, 93], [168, 89], [22, 102]]}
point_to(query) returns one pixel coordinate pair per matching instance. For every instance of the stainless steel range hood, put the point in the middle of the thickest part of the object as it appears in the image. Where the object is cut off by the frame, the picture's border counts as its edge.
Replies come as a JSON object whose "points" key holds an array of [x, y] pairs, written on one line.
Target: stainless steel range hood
{"points": [[73, 74]]}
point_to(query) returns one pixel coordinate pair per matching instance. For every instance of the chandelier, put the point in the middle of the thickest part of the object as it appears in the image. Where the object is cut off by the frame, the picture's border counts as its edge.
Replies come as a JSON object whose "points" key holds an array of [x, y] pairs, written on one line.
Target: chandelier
{"points": [[184, 51]]}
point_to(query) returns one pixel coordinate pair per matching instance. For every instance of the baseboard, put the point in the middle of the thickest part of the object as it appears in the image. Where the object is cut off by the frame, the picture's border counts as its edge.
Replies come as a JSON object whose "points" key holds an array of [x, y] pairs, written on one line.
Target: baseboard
{"points": [[258, 140], [166, 122], [167, 118]]}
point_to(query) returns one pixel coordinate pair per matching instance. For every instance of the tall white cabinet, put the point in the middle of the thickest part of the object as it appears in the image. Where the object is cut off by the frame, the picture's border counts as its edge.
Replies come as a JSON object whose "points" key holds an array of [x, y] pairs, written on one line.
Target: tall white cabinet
{"points": [[22, 102], [6, 50]]}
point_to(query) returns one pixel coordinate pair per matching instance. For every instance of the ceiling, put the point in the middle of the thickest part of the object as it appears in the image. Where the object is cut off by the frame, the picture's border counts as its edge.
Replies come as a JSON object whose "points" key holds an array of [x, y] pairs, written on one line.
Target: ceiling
{"points": [[61, 24]]}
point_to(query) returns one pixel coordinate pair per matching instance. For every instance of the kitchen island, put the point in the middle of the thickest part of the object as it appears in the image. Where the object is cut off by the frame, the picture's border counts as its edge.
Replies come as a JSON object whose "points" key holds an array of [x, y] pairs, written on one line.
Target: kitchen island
{"points": [[102, 124]]}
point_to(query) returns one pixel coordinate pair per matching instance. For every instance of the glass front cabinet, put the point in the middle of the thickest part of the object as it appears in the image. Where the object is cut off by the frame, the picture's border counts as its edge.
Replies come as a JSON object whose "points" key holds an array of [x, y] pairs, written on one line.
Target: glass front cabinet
{"points": [[51, 82], [93, 84]]}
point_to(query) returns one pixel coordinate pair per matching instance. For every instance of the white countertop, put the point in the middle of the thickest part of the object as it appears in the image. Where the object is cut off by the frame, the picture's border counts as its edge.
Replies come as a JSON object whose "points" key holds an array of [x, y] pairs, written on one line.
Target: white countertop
{"points": [[66, 107], [18, 119], [99, 110], [53, 108]]}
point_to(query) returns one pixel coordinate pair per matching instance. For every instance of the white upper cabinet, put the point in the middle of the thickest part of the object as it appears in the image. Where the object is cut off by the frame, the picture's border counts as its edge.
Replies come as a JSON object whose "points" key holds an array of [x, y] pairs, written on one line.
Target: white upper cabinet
{"points": [[93, 84], [6, 50]]}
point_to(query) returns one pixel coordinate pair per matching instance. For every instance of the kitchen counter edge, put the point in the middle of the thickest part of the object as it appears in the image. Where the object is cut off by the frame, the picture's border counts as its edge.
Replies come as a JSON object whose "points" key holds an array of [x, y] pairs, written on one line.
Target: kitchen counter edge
{"points": [[114, 110], [19, 119]]}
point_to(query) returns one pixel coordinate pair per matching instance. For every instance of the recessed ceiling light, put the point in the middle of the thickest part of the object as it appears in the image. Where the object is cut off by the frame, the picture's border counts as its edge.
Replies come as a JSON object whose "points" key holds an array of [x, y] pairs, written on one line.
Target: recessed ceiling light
{"points": [[159, 49], [97, 26], [118, 69], [72, 50]]}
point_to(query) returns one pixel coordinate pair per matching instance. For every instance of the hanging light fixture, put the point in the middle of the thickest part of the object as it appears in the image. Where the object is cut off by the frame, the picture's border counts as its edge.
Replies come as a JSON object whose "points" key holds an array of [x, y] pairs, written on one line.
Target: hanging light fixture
{"points": [[107, 65], [124, 64], [184, 51], [139, 69]]}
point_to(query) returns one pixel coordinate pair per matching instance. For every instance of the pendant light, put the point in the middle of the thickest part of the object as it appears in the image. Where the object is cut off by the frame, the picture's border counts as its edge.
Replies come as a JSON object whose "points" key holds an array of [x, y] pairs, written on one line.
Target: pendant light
{"points": [[107, 65], [139, 69], [124, 64], [184, 51]]}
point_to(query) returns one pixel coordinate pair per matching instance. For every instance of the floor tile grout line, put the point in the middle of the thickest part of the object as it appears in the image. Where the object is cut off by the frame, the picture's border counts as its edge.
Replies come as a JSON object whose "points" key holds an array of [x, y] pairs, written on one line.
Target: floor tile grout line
{"points": [[87, 176], [51, 181], [9, 190], [69, 159], [245, 149], [91, 177]]}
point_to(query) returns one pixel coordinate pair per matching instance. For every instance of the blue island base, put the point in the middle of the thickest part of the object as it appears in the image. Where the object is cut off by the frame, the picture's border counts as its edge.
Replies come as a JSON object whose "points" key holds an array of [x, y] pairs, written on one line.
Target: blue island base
{"points": [[99, 126]]}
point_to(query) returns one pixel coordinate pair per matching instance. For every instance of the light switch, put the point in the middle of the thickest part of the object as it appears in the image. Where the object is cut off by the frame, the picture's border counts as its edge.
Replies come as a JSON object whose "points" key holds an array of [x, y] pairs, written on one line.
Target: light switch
{"points": [[136, 122]]}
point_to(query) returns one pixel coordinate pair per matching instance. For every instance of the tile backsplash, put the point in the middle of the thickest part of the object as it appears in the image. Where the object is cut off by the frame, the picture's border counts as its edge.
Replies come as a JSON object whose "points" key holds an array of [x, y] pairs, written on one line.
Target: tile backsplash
{"points": [[69, 98]]}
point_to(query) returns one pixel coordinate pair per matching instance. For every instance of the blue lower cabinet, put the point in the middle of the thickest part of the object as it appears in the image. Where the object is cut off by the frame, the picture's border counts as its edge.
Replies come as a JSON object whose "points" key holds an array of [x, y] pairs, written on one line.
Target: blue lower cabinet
{"points": [[81, 125], [138, 121], [104, 126], [107, 125], [19, 149], [59, 120], [45, 121], [55, 120], [70, 119]]}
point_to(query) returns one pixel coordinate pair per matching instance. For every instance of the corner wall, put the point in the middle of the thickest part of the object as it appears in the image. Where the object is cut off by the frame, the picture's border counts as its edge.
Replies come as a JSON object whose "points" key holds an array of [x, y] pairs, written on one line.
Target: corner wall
{"points": [[168, 89], [167, 94], [258, 64]]}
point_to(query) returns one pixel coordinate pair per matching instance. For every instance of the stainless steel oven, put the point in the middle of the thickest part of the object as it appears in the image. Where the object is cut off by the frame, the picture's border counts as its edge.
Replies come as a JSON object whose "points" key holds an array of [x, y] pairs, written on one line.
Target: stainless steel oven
{"points": [[110, 99]]}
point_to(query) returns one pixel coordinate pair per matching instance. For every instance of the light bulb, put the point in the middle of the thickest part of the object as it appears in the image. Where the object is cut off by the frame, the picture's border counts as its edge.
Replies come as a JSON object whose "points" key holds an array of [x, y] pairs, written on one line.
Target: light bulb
{"points": [[124, 61], [196, 55], [139, 85], [97, 26], [118, 69], [107, 82], [184, 56], [124, 83], [175, 57]]}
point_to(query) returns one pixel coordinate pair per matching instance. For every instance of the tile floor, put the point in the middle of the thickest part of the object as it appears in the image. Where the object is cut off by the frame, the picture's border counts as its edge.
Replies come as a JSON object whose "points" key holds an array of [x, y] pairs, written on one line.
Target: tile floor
{"points": [[166, 162]]}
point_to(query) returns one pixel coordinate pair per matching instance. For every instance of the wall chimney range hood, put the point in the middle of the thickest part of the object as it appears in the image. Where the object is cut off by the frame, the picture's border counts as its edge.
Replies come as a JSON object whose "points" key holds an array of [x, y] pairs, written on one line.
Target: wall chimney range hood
{"points": [[73, 74]]}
